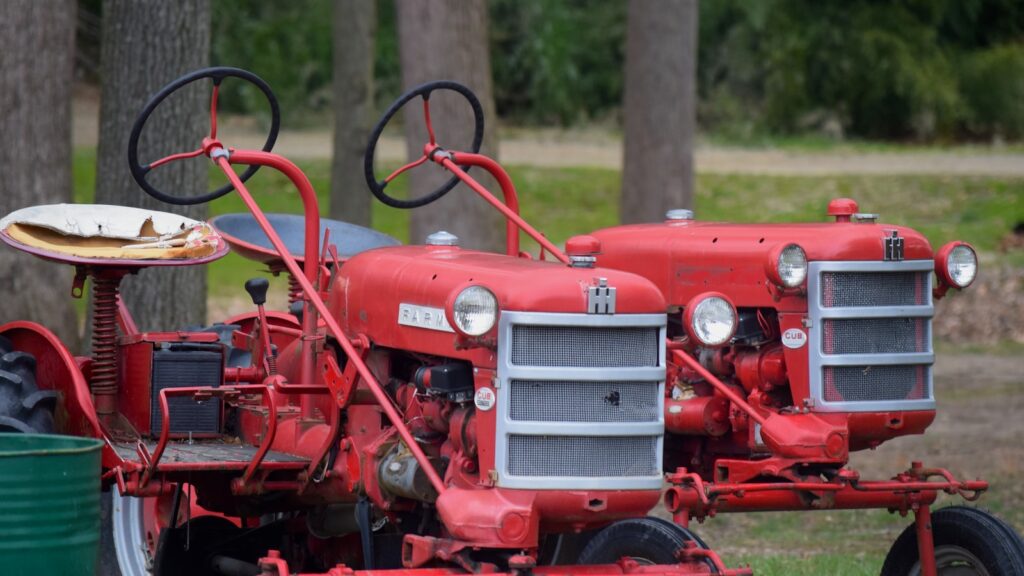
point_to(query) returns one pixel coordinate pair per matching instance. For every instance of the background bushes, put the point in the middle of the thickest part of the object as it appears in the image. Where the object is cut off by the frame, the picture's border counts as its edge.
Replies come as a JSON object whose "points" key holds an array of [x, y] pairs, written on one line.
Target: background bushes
{"points": [[923, 70]]}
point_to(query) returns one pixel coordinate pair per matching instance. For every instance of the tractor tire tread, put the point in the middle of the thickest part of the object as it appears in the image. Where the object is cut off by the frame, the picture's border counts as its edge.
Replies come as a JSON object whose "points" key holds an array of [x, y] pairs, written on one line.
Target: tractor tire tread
{"points": [[994, 542], [651, 538]]}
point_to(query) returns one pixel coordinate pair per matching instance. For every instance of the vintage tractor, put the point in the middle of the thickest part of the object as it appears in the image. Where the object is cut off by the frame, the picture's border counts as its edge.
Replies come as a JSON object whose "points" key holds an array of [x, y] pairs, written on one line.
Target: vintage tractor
{"points": [[790, 346], [427, 408]]}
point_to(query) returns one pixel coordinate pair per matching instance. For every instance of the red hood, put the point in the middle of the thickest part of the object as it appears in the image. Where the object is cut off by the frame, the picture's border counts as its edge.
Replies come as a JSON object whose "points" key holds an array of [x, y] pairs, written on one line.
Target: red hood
{"points": [[689, 257], [373, 284]]}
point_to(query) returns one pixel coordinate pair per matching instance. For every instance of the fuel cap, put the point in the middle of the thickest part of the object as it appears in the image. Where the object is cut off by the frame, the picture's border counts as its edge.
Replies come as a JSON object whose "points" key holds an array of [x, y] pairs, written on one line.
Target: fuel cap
{"points": [[679, 214], [442, 238]]}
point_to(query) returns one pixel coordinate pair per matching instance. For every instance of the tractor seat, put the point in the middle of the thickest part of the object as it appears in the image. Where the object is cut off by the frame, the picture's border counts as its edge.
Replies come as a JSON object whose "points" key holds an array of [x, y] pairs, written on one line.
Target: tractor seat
{"points": [[98, 234], [246, 237]]}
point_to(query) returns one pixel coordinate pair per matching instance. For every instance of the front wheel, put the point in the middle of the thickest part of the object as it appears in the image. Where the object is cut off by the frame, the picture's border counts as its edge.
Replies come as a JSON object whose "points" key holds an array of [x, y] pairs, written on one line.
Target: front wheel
{"points": [[968, 542], [646, 540]]}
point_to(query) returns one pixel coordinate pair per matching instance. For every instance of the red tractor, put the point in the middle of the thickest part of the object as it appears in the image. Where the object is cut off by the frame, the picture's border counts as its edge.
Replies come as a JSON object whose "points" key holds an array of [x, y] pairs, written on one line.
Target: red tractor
{"points": [[790, 346], [427, 409]]}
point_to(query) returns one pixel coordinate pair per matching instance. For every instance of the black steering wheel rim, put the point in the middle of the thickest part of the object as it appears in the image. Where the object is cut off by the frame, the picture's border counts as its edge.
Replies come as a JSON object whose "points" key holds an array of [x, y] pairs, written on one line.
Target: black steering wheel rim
{"points": [[424, 91], [217, 74]]}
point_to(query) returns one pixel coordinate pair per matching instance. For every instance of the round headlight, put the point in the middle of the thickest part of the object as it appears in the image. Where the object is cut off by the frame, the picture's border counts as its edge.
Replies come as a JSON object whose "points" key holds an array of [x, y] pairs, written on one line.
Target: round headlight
{"points": [[711, 319], [792, 266], [475, 310], [962, 265]]}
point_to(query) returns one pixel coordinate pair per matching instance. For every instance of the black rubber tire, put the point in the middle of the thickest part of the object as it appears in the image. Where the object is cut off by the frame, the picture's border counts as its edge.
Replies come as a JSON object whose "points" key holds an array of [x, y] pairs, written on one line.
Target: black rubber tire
{"points": [[992, 541], [23, 406], [646, 539]]}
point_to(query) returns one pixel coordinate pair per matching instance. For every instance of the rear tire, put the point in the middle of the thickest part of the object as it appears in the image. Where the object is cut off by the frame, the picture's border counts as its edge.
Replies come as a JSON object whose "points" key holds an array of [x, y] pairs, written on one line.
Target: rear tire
{"points": [[647, 540], [968, 542], [23, 406]]}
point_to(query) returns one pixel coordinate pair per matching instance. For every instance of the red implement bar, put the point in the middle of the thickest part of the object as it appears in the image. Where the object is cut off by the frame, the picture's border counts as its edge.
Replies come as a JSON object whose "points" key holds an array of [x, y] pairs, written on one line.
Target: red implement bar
{"points": [[252, 157], [510, 208]]}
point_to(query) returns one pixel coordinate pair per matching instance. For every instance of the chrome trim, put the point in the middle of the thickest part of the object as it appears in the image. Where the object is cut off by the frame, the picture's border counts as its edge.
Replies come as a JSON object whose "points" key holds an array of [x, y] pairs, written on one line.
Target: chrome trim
{"points": [[817, 359], [506, 427]]}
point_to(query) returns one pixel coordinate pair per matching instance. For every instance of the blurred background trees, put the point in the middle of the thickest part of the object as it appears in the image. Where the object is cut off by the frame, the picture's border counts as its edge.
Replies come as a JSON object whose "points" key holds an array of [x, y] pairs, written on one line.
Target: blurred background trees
{"points": [[924, 70]]}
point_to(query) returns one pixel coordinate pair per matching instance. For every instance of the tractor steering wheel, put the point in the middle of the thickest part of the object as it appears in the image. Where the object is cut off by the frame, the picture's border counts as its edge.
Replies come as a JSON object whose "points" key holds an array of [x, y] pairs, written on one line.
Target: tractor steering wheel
{"points": [[217, 74], [424, 91]]}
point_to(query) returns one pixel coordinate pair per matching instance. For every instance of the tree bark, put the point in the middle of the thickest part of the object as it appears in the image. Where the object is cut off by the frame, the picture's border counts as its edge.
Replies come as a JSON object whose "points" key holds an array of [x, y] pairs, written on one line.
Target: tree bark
{"points": [[660, 108], [37, 53], [447, 40], [145, 45], [355, 25]]}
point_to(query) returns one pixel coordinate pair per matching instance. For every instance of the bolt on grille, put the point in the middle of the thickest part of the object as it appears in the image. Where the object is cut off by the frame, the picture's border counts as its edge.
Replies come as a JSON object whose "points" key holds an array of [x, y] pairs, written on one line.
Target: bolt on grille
{"points": [[871, 345], [577, 401], [849, 289], [876, 335], [874, 383], [585, 346], [583, 456]]}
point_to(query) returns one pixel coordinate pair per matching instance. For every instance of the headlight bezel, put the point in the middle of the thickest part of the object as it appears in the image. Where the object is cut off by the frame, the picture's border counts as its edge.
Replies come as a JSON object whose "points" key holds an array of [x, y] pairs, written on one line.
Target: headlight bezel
{"points": [[465, 292], [774, 265], [694, 308], [942, 265]]}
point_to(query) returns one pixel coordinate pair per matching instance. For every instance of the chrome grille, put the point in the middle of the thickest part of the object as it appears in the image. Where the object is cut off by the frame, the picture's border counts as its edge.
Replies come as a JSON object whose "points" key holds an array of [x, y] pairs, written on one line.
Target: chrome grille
{"points": [[870, 335], [585, 347], [584, 456], [848, 289], [873, 383], [580, 401], [875, 335], [584, 401]]}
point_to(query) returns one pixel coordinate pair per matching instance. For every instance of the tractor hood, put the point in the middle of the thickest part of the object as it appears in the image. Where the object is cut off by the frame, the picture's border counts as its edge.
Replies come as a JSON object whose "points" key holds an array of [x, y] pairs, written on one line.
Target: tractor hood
{"points": [[687, 257], [376, 287]]}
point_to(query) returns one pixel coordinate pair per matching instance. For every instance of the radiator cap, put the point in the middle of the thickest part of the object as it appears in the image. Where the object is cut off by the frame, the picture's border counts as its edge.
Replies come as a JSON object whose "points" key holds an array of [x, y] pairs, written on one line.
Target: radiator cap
{"points": [[842, 209], [442, 238], [582, 251]]}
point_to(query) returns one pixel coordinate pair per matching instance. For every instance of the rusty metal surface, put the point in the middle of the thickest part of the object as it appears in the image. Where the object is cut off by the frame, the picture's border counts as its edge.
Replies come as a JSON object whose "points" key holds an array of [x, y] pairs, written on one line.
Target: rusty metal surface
{"points": [[206, 451]]}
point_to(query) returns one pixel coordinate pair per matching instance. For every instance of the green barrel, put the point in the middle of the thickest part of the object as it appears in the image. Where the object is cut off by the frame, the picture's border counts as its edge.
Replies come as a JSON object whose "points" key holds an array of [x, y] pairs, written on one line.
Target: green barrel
{"points": [[49, 505]]}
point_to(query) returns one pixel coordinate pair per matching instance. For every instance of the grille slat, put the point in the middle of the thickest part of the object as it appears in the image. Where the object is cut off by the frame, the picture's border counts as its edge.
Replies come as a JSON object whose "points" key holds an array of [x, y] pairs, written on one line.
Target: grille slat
{"points": [[583, 456], [577, 401], [850, 289], [876, 336], [876, 383], [585, 346]]}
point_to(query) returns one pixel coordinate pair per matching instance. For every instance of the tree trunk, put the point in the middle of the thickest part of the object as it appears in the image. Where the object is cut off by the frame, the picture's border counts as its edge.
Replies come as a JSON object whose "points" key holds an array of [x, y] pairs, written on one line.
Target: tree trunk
{"points": [[660, 108], [447, 40], [145, 45], [37, 54], [355, 25]]}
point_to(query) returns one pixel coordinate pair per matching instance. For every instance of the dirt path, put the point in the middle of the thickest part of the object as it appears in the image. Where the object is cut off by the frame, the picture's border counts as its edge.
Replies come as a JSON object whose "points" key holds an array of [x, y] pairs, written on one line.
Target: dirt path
{"points": [[584, 148]]}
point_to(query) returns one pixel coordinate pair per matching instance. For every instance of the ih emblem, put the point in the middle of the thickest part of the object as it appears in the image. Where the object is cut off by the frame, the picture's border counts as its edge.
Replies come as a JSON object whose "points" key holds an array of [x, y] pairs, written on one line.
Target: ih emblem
{"points": [[894, 246], [601, 298]]}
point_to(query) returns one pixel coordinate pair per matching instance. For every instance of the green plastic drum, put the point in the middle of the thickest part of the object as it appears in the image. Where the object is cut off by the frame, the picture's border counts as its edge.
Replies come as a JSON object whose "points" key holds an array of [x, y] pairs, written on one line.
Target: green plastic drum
{"points": [[49, 505]]}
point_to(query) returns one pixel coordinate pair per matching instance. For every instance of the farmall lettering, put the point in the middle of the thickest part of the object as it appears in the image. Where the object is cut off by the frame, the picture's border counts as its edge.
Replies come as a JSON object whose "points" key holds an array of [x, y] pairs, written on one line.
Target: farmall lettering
{"points": [[423, 317]]}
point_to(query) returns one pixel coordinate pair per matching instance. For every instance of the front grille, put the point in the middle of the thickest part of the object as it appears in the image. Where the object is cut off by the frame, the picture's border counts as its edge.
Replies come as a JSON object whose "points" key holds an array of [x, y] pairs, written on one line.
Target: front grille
{"points": [[876, 336], [849, 289], [585, 346], [577, 401], [583, 456], [580, 401], [870, 346], [874, 383]]}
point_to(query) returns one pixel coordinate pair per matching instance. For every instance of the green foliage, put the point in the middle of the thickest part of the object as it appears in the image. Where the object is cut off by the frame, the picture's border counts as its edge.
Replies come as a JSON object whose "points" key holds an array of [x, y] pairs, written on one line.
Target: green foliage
{"points": [[288, 44], [557, 61], [907, 69], [992, 83]]}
